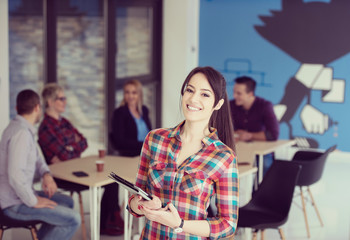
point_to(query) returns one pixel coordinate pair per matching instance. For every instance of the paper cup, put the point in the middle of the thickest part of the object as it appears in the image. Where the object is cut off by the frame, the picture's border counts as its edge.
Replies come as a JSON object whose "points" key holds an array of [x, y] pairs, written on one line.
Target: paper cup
{"points": [[101, 153], [100, 165]]}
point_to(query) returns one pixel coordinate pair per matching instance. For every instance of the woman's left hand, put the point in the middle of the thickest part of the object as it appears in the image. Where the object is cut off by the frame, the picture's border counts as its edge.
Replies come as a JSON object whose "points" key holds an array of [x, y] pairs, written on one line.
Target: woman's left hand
{"points": [[168, 215]]}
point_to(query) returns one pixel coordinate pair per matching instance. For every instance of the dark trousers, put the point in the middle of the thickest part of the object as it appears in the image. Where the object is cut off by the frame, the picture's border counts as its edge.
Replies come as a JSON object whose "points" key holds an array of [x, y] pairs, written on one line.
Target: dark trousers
{"points": [[109, 203]]}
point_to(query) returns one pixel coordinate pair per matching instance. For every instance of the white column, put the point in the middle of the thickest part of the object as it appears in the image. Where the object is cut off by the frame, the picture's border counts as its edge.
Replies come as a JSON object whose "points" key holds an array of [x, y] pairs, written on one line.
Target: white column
{"points": [[180, 53], [4, 66]]}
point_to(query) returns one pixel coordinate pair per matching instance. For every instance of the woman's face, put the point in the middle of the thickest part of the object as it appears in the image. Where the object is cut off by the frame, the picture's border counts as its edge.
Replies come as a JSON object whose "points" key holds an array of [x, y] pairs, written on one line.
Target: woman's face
{"points": [[58, 104], [198, 99], [131, 95]]}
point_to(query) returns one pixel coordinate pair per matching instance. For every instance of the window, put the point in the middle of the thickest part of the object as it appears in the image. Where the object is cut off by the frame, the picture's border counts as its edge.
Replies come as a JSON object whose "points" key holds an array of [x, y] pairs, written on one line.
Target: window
{"points": [[80, 66], [25, 48], [90, 47]]}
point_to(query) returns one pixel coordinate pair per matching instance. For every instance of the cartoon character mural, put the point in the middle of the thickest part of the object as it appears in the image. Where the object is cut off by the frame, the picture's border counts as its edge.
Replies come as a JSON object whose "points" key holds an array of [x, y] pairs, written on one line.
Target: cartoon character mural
{"points": [[313, 34]]}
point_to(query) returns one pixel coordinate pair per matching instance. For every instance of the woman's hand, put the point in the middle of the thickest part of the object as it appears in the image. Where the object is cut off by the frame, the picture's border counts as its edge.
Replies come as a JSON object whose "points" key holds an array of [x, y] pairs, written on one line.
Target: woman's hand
{"points": [[154, 204], [137, 202], [168, 216]]}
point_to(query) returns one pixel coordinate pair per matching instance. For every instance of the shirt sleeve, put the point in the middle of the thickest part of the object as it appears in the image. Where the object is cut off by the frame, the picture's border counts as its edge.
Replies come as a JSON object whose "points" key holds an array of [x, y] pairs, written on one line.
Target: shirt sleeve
{"points": [[141, 178], [271, 123], [80, 146], [41, 166], [20, 167], [227, 202]]}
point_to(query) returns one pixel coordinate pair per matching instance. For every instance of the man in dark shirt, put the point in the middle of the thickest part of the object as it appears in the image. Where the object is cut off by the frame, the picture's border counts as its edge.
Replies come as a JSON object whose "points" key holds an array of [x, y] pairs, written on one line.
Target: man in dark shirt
{"points": [[253, 117]]}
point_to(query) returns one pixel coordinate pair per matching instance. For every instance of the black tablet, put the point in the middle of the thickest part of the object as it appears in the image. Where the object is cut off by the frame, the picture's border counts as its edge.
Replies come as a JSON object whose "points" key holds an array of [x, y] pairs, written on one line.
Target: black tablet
{"points": [[129, 186]]}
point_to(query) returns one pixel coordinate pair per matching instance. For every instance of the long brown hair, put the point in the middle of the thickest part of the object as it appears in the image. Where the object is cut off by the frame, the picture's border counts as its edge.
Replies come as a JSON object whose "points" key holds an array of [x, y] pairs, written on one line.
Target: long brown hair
{"points": [[220, 119]]}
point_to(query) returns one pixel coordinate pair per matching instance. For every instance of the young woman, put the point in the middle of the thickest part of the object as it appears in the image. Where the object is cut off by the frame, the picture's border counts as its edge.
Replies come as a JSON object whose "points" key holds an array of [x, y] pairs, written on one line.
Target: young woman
{"points": [[184, 167], [130, 122]]}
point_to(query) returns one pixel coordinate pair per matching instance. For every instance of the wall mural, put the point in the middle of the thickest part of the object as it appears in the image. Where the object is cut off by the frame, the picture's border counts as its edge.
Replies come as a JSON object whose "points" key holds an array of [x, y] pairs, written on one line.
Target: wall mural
{"points": [[313, 45], [299, 50]]}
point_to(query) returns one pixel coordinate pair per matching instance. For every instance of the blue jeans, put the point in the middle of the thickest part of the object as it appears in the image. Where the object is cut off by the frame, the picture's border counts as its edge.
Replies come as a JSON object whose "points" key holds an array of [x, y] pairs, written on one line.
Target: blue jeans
{"points": [[60, 222]]}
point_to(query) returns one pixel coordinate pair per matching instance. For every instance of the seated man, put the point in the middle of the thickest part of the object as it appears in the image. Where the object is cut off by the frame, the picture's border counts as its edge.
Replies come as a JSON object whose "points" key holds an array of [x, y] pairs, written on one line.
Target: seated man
{"points": [[253, 117], [20, 161]]}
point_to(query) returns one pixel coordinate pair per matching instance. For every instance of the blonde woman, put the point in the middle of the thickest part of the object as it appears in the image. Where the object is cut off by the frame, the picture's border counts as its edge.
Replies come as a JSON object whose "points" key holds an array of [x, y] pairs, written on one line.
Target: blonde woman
{"points": [[130, 122]]}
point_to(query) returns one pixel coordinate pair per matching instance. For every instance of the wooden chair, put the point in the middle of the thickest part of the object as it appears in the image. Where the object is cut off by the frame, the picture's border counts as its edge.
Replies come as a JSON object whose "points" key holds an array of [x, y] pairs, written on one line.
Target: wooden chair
{"points": [[313, 164]]}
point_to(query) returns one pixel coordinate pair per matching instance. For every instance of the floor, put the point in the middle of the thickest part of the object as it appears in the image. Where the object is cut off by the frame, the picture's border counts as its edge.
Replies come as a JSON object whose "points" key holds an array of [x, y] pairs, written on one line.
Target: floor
{"points": [[331, 194]]}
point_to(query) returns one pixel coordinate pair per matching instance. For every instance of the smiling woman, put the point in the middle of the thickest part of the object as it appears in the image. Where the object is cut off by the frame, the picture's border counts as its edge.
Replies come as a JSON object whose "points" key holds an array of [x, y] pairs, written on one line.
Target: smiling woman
{"points": [[185, 166]]}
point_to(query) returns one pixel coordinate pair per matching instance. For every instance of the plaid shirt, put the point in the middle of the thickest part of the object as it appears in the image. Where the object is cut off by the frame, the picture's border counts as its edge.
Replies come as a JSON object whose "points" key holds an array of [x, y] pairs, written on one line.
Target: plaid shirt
{"points": [[212, 170], [57, 138]]}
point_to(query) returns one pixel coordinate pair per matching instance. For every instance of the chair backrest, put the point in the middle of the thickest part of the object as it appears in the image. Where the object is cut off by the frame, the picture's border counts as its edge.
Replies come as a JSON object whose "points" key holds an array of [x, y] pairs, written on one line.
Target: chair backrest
{"points": [[312, 163], [275, 193]]}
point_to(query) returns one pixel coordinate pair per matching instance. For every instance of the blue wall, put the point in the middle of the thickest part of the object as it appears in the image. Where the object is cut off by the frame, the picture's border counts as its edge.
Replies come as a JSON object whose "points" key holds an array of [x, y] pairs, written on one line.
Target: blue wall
{"points": [[230, 42]]}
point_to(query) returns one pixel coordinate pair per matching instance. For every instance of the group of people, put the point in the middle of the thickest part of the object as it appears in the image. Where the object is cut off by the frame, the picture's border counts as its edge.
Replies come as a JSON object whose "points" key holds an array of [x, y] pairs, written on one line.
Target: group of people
{"points": [[183, 167], [21, 161]]}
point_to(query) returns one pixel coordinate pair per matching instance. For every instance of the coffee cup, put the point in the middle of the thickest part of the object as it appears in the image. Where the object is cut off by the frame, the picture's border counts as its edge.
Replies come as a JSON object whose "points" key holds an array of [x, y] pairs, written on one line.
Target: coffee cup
{"points": [[100, 165], [101, 153]]}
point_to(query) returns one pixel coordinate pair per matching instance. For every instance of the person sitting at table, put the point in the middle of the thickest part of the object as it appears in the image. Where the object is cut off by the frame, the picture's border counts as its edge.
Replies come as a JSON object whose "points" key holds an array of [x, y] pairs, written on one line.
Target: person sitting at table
{"points": [[61, 141], [253, 116], [185, 166], [20, 163], [130, 121]]}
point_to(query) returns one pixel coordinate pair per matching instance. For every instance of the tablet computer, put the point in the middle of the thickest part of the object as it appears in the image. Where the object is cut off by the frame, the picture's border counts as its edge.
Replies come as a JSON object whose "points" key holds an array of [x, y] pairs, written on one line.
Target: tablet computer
{"points": [[129, 186]]}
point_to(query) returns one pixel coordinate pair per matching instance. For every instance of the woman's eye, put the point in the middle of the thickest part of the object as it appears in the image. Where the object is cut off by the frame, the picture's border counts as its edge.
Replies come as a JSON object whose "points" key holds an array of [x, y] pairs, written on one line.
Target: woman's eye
{"points": [[189, 90], [205, 95]]}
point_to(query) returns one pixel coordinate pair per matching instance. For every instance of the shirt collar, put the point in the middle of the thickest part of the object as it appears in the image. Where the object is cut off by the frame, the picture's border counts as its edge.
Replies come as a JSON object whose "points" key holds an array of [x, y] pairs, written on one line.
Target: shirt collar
{"points": [[210, 139], [24, 122]]}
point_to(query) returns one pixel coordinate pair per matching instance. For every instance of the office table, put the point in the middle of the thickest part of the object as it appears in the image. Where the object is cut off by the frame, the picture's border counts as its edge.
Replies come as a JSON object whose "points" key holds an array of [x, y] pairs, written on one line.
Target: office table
{"points": [[247, 151], [125, 167]]}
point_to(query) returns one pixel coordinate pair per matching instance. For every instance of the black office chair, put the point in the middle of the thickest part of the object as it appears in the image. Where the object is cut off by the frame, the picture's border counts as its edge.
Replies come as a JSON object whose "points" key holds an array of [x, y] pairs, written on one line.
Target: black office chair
{"points": [[270, 204], [7, 223], [312, 163]]}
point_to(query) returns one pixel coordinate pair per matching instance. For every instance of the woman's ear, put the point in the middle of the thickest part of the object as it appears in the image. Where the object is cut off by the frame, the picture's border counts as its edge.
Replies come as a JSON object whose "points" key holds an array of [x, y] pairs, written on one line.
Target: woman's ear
{"points": [[219, 104]]}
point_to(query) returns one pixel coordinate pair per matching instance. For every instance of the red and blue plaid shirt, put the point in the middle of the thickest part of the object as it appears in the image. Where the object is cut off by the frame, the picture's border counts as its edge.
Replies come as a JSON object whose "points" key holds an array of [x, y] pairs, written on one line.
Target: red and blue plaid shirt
{"points": [[57, 138], [210, 172]]}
